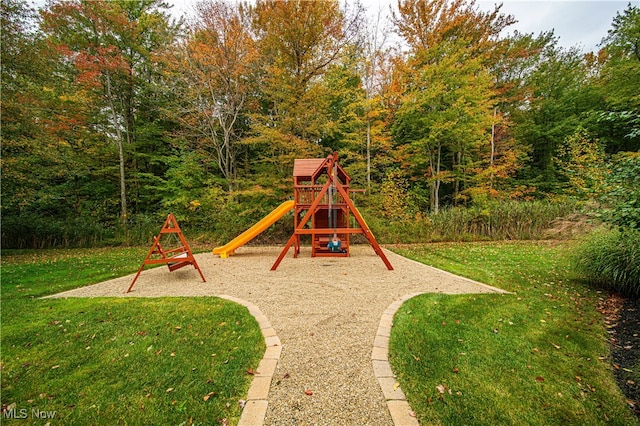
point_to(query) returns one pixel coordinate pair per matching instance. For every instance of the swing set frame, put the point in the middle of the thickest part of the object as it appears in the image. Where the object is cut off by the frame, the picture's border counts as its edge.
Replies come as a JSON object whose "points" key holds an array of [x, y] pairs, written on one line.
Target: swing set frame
{"points": [[174, 258]]}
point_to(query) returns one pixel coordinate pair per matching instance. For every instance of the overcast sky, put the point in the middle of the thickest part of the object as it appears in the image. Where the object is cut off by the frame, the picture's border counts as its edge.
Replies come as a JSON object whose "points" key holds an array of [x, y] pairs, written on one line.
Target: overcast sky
{"points": [[581, 23]]}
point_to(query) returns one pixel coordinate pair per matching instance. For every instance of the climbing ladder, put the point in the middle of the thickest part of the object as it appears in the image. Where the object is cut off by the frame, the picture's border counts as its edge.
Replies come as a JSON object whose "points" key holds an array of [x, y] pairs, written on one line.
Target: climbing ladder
{"points": [[174, 258]]}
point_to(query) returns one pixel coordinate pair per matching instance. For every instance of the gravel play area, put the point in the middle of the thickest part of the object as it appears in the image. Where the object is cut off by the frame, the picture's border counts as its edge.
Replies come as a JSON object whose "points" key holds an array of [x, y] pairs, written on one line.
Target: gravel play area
{"points": [[324, 310]]}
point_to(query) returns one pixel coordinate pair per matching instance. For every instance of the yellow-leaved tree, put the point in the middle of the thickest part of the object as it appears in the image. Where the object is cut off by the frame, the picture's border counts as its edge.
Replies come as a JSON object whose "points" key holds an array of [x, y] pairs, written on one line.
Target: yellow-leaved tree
{"points": [[442, 125], [214, 71], [299, 41]]}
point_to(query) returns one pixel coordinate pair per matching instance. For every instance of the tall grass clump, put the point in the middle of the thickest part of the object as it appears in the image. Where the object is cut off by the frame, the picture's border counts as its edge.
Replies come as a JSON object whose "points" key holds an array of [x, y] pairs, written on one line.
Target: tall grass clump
{"points": [[610, 258], [510, 220], [34, 231]]}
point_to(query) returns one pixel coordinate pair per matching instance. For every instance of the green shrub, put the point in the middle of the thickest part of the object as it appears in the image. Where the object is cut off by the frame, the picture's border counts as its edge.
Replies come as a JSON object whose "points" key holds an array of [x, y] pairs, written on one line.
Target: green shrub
{"points": [[140, 230], [31, 230], [610, 258], [623, 196]]}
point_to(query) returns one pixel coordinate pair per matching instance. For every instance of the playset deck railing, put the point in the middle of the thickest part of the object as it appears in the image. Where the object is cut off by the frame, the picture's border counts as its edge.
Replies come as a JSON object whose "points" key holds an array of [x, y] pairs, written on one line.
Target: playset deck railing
{"points": [[306, 194]]}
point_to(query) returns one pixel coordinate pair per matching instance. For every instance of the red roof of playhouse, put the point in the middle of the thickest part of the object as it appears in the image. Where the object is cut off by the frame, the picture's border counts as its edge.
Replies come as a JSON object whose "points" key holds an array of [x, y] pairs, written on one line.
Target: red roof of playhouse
{"points": [[307, 167], [312, 168]]}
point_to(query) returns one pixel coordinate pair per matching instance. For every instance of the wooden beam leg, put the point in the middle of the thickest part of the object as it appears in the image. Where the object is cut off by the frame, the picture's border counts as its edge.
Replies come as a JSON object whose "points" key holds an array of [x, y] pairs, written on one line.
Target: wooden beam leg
{"points": [[195, 264], [135, 278], [367, 232], [378, 249], [284, 252]]}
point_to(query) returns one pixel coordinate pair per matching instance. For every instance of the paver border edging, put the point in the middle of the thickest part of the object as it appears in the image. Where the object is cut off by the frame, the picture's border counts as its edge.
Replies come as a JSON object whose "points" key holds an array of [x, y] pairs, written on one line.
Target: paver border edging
{"points": [[255, 408], [399, 408]]}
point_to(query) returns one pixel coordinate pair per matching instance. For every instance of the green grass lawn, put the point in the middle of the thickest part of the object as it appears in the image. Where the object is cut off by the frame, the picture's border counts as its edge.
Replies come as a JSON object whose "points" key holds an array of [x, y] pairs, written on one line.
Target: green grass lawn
{"points": [[537, 356], [118, 360]]}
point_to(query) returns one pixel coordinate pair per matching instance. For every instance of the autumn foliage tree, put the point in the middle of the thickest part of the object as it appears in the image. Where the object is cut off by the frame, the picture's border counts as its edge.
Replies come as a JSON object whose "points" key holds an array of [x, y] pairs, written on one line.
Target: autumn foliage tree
{"points": [[374, 55], [620, 79], [215, 70], [448, 99], [580, 160], [51, 158], [426, 24], [298, 41], [28, 93], [108, 44], [521, 55]]}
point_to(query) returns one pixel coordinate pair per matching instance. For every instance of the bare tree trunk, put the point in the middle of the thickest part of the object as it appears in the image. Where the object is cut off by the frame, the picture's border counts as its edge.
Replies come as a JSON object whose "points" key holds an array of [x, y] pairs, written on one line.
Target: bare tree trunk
{"points": [[120, 142], [434, 164], [227, 122], [373, 47], [457, 166], [368, 155], [123, 187], [493, 146], [436, 205]]}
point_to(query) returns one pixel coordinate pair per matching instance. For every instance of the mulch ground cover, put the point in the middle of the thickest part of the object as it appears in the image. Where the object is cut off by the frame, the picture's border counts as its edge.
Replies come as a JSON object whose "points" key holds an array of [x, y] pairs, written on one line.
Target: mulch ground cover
{"points": [[622, 317]]}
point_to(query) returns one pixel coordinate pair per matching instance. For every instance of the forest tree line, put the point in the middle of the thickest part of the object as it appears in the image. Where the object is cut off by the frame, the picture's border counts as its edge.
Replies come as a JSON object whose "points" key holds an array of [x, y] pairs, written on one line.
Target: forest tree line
{"points": [[114, 113]]}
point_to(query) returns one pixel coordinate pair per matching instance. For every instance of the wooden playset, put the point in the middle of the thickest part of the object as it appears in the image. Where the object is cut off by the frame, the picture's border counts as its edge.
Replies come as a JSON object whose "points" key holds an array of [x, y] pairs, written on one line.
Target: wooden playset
{"points": [[175, 258], [324, 210]]}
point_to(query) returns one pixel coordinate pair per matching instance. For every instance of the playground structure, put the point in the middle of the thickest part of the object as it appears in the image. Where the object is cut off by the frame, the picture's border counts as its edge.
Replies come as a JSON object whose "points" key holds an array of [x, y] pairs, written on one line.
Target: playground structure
{"points": [[321, 192], [322, 208], [175, 258], [330, 216]]}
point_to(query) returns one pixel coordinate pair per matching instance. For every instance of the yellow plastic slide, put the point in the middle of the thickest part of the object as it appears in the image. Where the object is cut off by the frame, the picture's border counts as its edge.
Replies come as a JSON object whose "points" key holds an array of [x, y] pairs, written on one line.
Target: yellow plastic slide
{"points": [[248, 235]]}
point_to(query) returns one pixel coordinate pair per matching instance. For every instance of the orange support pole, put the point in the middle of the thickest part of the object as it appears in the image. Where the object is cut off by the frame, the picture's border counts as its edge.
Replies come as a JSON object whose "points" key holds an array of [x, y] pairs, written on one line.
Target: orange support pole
{"points": [[366, 231]]}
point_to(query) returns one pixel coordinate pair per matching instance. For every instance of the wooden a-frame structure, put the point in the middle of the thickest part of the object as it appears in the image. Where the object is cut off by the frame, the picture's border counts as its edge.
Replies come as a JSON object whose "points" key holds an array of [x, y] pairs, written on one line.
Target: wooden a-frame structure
{"points": [[174, 258], [329, 208]]}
